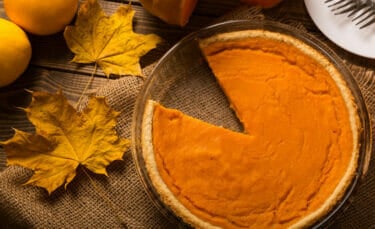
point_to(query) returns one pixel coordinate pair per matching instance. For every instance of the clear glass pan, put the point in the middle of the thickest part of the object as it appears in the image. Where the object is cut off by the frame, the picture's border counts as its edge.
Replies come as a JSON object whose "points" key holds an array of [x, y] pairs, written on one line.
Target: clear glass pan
{"points": [[181, 76]]}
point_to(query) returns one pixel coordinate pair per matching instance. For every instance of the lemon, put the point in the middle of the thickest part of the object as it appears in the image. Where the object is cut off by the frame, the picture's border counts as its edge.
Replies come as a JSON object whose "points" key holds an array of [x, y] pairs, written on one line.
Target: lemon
{"points": [[15, 50], [41, 17]]}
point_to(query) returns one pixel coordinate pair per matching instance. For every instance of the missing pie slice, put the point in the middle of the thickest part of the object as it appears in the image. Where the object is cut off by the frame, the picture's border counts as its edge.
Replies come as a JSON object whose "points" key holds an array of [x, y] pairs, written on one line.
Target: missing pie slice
{"points": [[297, 155]]}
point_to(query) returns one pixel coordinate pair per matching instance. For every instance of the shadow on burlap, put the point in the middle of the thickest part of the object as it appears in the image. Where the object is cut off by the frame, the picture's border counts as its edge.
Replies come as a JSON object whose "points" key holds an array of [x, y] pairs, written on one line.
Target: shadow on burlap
{"points": [[80, 206]]}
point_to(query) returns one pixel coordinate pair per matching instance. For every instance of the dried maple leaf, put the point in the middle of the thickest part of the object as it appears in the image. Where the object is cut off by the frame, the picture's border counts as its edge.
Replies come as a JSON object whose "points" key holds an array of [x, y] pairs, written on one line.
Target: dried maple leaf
{"points": [[108, 41], [65, 139]]}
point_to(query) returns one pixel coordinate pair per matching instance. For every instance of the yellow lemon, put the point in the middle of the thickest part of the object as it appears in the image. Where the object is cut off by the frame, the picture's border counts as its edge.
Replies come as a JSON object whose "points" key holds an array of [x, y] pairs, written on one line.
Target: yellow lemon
{"points": [[41, 17], [15, 49], [15, 52]]}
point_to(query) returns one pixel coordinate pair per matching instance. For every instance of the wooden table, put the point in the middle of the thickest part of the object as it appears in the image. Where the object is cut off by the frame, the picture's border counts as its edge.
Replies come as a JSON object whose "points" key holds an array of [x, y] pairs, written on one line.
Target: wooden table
{"points": [[50, 67]]}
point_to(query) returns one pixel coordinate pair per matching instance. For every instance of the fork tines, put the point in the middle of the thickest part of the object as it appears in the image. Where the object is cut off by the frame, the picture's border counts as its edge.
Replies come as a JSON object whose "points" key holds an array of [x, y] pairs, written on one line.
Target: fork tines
{"points": [[362, 12]]}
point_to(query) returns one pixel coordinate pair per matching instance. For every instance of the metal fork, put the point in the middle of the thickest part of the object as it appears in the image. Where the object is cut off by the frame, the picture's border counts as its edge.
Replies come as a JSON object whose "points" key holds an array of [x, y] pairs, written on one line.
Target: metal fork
{"points": [[362, 12]]}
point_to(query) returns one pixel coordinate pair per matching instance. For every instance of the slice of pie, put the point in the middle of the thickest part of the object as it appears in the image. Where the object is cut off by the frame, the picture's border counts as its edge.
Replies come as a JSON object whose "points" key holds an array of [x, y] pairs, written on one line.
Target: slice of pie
{"points": [[296, 157]]}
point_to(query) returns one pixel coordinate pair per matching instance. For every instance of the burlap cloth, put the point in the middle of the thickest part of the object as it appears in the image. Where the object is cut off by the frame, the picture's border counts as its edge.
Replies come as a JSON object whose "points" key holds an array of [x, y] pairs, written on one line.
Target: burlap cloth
{"points": [[80, 206]]}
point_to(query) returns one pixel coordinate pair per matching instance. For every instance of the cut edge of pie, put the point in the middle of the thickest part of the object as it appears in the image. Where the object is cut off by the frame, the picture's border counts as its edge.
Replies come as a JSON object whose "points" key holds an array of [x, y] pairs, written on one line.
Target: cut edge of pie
{"points": [[180, 210], [164, 192]]}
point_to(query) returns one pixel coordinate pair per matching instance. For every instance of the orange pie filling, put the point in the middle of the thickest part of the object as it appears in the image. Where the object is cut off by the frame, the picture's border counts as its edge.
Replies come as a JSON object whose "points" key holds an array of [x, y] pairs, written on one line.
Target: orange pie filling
{"points": [[298, 153]]}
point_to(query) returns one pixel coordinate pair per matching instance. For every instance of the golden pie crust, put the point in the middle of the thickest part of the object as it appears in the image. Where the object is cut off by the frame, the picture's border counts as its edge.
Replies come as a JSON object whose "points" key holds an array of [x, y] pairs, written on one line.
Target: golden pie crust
{"points": [[296, 157]]}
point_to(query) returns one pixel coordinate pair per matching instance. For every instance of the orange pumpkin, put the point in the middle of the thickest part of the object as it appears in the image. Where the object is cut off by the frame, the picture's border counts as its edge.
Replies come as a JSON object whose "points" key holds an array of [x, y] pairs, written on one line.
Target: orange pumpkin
{"points": [[176, 12]]}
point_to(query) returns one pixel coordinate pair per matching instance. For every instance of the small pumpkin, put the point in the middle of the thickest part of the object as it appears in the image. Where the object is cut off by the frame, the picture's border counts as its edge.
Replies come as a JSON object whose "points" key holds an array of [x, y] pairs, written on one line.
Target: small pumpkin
{"points": [[176, 12]]}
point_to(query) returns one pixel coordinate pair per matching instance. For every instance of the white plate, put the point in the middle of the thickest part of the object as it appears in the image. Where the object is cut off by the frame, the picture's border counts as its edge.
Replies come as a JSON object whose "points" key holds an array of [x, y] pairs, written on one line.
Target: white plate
{"points": [[341, 30]]}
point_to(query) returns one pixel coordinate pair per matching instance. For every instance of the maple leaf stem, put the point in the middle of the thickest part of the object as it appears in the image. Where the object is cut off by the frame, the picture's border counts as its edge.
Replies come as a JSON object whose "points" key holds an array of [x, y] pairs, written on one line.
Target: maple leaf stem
{"points": [[104, 196], [87, 85]]}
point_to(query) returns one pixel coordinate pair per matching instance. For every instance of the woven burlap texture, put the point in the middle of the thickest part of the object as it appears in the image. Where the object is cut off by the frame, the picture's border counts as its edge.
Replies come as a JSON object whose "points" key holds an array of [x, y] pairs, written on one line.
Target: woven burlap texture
{"points": [[81, 206]]}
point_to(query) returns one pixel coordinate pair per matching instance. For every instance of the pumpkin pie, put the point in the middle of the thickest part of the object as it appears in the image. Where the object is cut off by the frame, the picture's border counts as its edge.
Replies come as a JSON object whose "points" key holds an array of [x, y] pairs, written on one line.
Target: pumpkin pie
{"points": [[293, 162]]}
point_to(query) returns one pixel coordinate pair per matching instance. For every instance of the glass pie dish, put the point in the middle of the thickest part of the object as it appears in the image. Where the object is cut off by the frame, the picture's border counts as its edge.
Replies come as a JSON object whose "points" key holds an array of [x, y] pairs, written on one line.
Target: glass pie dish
{"points": [[182, 77]]}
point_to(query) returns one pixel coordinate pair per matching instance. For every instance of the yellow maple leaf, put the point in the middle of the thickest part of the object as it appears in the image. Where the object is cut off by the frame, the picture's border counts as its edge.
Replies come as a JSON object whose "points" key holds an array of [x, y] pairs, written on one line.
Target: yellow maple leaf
{"points": [[108, 41], [65, 139]]}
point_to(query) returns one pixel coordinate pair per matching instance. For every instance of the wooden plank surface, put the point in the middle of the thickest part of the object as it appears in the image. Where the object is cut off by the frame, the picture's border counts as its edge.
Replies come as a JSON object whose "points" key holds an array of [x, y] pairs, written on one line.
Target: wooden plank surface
{"points": [[2, 12], [59, 58]]}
